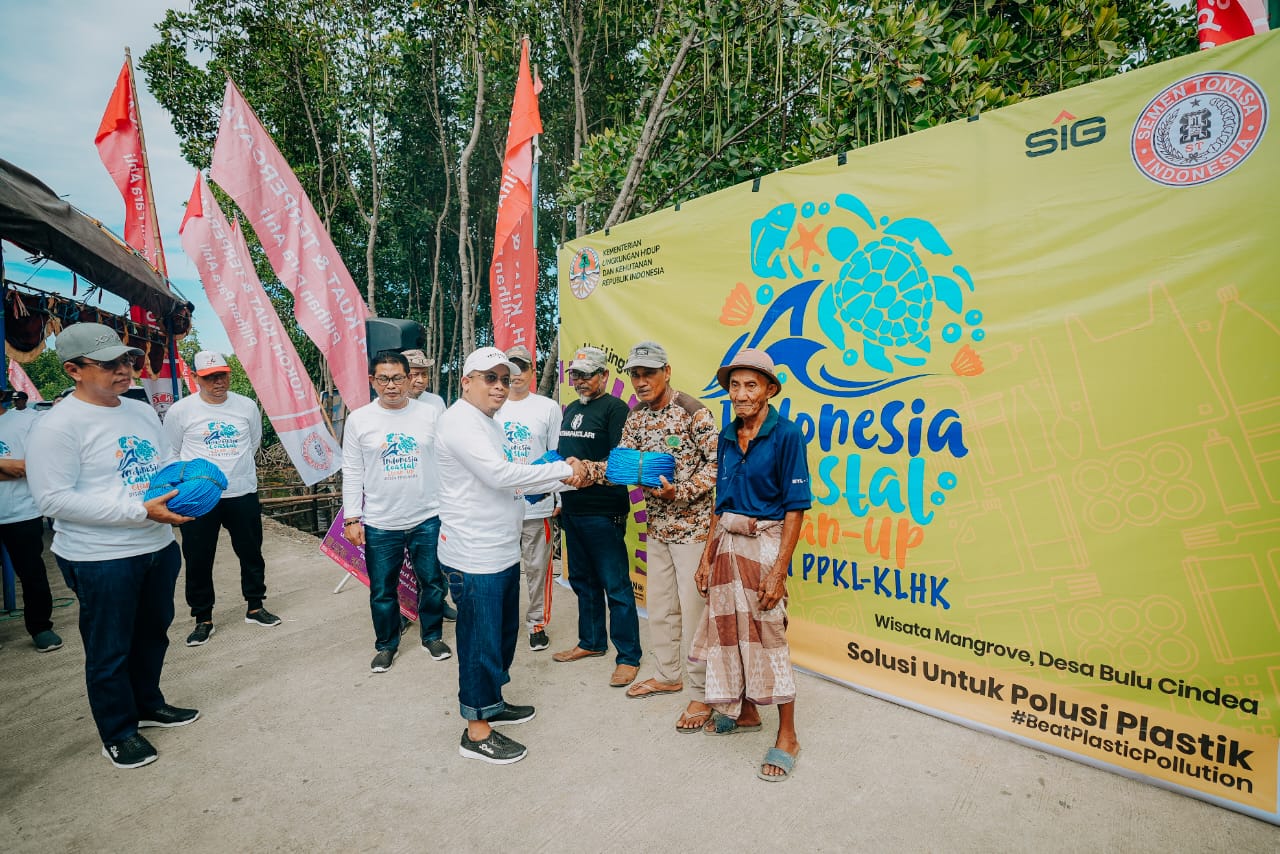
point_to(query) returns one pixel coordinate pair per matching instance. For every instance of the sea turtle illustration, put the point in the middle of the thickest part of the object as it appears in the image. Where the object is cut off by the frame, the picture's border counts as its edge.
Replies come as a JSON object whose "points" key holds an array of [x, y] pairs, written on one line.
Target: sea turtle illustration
{"points": [[884, 292]]}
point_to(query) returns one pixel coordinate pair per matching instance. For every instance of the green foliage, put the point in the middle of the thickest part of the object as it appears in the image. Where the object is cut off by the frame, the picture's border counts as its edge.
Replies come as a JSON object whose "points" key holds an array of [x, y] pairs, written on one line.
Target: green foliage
{"points": [[372, 103]]}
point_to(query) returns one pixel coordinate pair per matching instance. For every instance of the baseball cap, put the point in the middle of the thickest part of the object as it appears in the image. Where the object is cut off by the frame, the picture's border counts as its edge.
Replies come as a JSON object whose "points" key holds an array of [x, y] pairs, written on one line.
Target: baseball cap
{"points": [[522, 353], [646, 354], [756, 360], [417, 359], [209, 362], [91, 341], [588, 360], [485, 359]]}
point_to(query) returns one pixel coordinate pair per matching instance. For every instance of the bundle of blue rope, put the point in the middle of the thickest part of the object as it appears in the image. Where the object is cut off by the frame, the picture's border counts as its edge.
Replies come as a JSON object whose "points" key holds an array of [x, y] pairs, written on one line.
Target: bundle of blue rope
{"points": [[548, 457], [630, 466], [199, 483]]}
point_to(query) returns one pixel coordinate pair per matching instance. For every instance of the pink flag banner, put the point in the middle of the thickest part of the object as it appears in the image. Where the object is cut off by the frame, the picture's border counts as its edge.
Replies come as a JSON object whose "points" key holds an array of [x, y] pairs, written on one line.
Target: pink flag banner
{"points": [[1222, 21], [257, 336], [19, 381], [159, 387], [513, 275], [351, 558], [329, 308]]}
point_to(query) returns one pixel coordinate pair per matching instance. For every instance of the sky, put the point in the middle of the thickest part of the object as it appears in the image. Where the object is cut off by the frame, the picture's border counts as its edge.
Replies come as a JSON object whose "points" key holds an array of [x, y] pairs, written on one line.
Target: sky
{"points": [[59, 60]]}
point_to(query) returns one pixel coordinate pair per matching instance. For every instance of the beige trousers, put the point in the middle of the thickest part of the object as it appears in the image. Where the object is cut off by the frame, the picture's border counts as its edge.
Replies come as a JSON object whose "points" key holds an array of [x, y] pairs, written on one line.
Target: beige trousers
{"points": [[675, 609]]}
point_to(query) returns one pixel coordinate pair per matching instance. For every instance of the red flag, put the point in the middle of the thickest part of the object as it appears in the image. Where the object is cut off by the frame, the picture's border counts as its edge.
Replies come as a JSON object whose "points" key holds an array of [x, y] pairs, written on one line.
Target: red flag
{"points": [[1222, 21], [513, 275], [329, 308], [21, 382], [119, 142]]}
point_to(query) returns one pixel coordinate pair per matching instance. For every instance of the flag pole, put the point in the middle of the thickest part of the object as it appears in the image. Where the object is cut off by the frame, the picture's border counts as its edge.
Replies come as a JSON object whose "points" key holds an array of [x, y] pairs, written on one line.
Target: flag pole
{"points": [[153, 223]]}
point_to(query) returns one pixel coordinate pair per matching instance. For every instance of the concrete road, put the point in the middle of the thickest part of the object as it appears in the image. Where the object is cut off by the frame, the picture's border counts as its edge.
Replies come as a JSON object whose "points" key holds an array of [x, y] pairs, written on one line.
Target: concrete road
{"points": [[300, 748]]}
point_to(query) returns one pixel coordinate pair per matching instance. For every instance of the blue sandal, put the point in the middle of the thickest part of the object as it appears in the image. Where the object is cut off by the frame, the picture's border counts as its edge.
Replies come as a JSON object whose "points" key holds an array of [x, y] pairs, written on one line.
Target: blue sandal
{"points": [[725, 725], [778, 758]]}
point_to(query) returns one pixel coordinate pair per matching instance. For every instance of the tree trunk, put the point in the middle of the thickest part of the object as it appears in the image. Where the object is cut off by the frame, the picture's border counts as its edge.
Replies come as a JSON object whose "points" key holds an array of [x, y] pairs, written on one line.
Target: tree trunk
{"points": [[465, 257]]}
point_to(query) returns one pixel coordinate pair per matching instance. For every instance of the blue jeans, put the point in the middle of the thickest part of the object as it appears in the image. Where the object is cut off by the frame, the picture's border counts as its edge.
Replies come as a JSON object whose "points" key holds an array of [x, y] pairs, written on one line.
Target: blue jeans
{"points": [[126, 606], [598, 571], [488, 624], [383, 556]]}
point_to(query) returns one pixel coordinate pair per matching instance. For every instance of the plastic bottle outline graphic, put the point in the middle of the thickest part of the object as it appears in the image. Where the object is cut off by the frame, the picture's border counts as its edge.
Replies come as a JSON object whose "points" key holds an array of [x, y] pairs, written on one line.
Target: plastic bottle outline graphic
{"points": [[1244, 334]]}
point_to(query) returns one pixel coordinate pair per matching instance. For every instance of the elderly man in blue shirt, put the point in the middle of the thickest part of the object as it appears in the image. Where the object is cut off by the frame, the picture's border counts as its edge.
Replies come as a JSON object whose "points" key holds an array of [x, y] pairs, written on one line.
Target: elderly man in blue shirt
{"points": [[762, 492]]}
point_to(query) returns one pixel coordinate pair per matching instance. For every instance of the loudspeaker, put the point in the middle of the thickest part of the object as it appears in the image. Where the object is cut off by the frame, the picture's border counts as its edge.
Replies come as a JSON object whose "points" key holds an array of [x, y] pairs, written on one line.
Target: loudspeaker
{"points": [[390, 333]]}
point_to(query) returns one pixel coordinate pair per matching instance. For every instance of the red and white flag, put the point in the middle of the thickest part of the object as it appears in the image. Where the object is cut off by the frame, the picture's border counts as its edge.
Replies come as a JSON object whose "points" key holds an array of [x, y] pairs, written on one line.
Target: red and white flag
{"points": [[19, 381], [257, 336], [329, 308], [1222, 21], [513, 275], [119, 142]]}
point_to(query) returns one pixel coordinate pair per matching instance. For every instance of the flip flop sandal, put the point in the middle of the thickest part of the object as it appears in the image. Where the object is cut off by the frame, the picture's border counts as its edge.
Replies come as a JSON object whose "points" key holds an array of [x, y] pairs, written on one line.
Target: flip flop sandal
{"points": [[725, 725], [649, 688], [778, 758], [700, 717]]}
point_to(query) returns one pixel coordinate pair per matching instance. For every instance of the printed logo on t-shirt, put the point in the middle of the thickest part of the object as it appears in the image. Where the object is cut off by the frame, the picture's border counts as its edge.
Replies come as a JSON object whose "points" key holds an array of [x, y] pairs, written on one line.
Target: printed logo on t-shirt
{"points": [[518, 446], [136, 464], [221, 439], [4, 450], [399, 456]]}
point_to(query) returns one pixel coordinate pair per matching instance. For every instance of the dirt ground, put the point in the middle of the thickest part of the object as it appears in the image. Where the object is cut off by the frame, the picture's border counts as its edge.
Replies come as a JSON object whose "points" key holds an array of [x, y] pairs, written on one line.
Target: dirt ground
{"points": [[300, 748]]}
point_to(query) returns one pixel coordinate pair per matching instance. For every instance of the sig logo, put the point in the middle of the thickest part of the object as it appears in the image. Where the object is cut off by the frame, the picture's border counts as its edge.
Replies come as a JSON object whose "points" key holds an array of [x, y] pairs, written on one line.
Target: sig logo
{"points": [[1067, 132]]}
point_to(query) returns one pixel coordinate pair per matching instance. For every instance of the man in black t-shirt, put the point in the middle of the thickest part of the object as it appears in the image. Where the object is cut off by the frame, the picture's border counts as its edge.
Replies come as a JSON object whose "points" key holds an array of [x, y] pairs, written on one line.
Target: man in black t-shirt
{"points": [[595, 521]]}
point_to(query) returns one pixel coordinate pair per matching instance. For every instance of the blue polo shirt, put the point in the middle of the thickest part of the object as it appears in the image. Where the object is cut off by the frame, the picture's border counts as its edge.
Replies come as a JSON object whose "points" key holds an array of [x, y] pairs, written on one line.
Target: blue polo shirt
{"points": [[771, 478]]}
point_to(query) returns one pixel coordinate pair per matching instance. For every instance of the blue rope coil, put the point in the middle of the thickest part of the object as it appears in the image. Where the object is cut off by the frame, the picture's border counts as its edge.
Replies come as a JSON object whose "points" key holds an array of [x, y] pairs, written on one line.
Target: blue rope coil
{"points": [[548, 457], [630, 466], [199, 483]]}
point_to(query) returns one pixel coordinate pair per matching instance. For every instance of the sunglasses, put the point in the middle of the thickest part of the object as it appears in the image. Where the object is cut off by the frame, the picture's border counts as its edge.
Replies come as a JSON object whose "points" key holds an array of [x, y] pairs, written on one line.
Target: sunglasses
{"points": [[490, 378], [132, 362], [583, 375], [383, 382]]}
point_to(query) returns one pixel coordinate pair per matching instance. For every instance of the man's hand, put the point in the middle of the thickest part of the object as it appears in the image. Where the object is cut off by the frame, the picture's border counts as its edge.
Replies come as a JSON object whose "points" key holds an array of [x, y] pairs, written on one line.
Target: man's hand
{"points": [[667, 491], [354, 533], [13, 469], [772, 588], [580, 478], [702, 577], [158, 510]]}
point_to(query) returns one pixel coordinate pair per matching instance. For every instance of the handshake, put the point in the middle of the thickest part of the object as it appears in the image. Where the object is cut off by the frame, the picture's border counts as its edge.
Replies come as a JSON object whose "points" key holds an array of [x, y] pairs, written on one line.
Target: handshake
{"points": [[577, 480]]}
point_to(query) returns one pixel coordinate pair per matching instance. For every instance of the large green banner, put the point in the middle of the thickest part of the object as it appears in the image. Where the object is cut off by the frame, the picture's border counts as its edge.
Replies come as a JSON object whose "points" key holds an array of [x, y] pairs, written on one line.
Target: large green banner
{"points": [[1036, 356]]}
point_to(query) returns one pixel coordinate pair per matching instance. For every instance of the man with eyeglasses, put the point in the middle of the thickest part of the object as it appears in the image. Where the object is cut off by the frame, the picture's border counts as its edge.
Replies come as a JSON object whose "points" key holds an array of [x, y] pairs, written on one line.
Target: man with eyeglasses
{"points": [[391, 501], [679, 518], [223, 428], [481, 513], [531, 423], [90, 465], [595, 523]]}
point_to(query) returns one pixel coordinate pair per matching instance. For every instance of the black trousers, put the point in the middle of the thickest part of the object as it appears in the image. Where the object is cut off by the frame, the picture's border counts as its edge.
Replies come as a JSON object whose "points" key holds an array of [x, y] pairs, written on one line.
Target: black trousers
{"points": [[25, 543], [242, 517]]}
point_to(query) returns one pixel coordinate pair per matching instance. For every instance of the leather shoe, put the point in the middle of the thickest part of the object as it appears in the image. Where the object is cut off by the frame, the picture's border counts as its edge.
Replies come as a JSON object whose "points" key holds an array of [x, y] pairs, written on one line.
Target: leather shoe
{"points": [[623, 675], [576, 653]]}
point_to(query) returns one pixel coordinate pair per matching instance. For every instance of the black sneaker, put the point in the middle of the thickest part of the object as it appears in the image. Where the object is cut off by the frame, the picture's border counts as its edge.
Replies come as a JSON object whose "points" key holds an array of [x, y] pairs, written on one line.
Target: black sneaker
{"points": [[382, 661], [134, 752], [538, 640], [405, 623], [496, 749], [47, 641], [168, 716], [512, 714], [450, 613], [261, 617], [439, 649], [201, 634]]}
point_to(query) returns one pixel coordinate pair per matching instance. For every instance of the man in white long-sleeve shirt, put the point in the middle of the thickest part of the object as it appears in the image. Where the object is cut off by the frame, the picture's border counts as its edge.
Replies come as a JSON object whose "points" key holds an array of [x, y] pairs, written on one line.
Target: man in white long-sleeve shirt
{"points": [[480, 519], [391, 501], [224, 428], [89, 466]]}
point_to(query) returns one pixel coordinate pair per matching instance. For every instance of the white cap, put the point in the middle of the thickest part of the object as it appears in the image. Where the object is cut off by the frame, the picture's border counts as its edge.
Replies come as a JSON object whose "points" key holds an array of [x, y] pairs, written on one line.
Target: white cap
{"points": [[487, 358], [208, 362]]}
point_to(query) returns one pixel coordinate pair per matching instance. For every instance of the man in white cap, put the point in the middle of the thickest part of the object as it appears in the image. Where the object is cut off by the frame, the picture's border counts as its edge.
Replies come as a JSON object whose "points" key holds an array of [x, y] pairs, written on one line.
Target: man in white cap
{"points": [[223, 428], [91, 463], [531, 424], [480, 516]]}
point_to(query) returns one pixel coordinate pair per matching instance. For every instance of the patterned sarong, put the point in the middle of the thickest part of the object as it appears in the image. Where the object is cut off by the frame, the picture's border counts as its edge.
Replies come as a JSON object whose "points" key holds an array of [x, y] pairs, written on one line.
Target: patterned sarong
{"points": [[745, 649]]}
